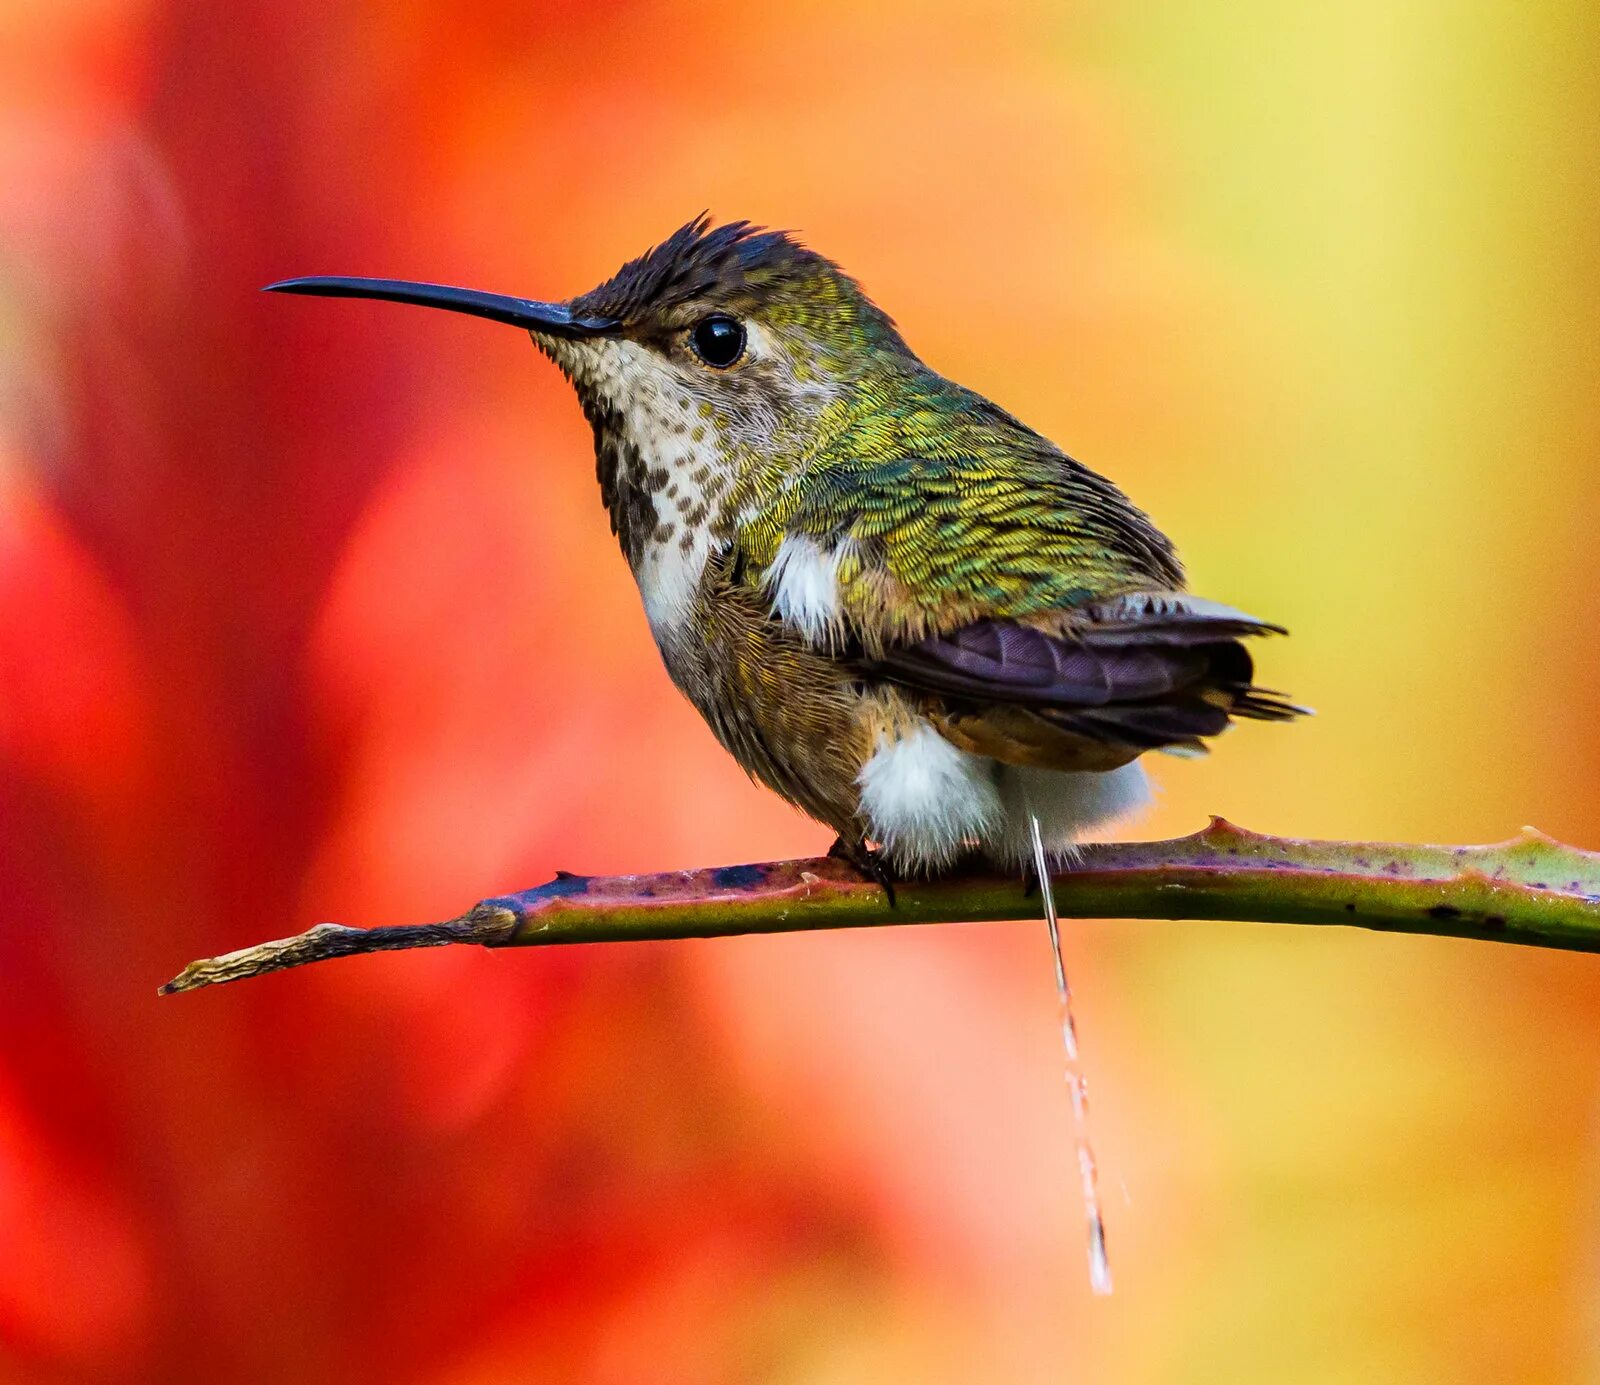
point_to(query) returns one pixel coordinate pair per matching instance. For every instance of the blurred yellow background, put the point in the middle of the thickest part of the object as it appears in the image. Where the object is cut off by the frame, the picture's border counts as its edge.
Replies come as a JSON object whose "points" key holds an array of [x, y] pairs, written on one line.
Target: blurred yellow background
{"points": [[309, 610]]}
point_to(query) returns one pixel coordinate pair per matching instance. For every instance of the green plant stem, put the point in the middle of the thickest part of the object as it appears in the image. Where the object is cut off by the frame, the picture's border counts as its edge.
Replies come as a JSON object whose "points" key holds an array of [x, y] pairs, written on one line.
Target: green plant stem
{"points": [[1530, 890]]}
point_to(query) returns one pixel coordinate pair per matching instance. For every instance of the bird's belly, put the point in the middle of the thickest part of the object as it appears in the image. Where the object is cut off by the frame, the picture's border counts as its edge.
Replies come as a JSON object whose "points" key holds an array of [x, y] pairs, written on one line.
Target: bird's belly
{"points": [[793, 718], [861, 756], [868, 764]]}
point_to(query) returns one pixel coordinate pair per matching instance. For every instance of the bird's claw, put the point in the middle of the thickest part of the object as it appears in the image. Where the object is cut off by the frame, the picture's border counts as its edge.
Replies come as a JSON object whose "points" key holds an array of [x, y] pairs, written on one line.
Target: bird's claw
{"points": [[869, 863]]}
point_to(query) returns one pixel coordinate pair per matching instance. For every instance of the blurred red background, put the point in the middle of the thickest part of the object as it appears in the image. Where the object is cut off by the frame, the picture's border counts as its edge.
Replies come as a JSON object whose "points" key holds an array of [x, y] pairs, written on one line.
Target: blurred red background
{"points": [[308, 610]]}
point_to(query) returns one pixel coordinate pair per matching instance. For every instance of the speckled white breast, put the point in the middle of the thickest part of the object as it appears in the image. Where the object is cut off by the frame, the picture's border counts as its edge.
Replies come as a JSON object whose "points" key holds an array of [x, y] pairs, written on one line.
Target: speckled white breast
{"points": [[677, 461]]}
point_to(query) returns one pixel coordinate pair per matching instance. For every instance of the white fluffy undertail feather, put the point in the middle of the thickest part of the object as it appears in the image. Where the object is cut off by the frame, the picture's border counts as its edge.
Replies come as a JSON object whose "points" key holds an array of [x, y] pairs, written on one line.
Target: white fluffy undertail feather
{"points": [[926, 800], [1068, 805]]}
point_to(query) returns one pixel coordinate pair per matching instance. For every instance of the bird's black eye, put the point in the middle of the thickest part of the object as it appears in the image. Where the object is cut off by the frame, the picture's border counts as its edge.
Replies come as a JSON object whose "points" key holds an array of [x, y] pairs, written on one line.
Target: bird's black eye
{"points": [[718, 340]]}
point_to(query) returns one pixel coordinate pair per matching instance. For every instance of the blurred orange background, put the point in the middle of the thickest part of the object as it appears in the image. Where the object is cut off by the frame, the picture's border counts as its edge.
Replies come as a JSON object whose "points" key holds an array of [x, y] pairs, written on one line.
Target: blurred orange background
{"points": [[309, 610]]}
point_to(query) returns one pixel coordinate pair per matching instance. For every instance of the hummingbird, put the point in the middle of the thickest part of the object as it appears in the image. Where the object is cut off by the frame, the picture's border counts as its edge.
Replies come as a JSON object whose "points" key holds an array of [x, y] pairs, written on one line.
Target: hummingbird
{"points": [[895, 604]]}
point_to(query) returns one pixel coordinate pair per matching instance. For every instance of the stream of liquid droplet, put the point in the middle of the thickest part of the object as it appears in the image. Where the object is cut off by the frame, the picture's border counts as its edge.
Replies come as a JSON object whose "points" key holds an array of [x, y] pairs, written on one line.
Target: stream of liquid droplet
{"points": [[1077, 1084]]}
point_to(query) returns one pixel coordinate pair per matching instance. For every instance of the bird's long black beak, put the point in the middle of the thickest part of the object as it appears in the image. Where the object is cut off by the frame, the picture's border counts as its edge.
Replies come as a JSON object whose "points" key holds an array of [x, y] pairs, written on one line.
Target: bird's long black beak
{"points": [[548, 319]]}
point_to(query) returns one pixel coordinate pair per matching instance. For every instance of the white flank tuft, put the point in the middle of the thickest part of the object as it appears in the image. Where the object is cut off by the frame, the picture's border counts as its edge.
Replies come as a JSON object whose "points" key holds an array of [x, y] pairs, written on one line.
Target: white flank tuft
{"points": [[1200, 606], [926, 799], [804, 582], [1165, 602]]}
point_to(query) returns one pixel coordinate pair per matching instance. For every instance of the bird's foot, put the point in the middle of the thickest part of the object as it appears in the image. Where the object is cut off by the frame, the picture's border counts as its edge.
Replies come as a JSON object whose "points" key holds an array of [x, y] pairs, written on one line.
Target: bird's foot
{"points": [[871, 864]]}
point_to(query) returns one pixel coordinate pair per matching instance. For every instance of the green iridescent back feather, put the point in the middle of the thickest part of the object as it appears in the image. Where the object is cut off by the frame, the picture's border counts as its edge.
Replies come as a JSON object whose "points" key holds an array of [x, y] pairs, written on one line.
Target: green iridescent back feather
{"points": [[950, 510]]}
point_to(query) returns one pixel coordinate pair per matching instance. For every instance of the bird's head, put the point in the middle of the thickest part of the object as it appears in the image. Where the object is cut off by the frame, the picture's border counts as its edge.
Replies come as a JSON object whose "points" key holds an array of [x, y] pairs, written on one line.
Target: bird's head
{"points": [[722, 346]]}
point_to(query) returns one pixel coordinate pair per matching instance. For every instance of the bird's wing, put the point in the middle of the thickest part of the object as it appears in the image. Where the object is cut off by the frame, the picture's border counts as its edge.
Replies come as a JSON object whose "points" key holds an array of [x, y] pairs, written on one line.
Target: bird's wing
{"points": [[884, 551], [1154, 671], [1018, 594]]}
